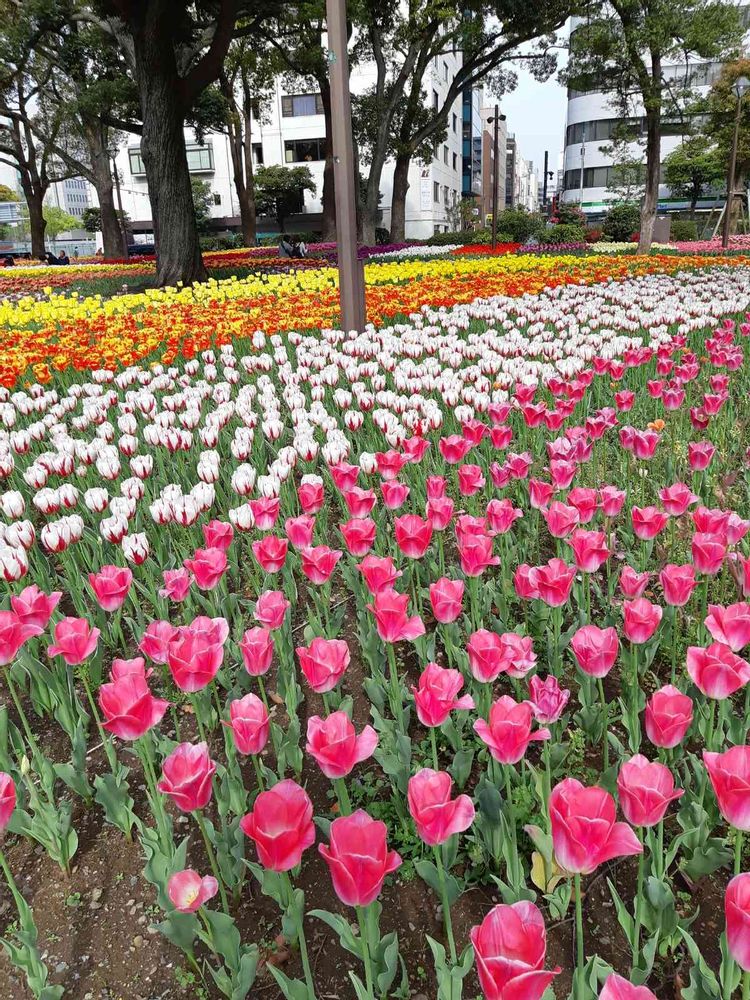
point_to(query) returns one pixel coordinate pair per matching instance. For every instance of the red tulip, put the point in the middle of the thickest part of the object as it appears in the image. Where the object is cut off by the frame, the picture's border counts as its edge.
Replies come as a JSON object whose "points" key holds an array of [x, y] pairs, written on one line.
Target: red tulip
{"points": [[324, 662], [589, 549], [737, 914], [641, 619], [359, 535], [730, 776], [391, 618], [584, 831], [257, 650], [716, 671], [413, 535], [633, 584], [111, 586], [218, 534], [13, 634], [318, 563], [128, 707], [669, 715], [678, 583], [436, 816], [708, 551], [335, 745], [446, 597], [617, 988], [281, 824], [379, 573], [553, 582], [508, 732], [487, 655], [358, 858], [595, 649], [645, 789], [188, 891], [194, 658], [207, 566], [270, 609], [33, 607], [177, 583], [730, 625], [510, 946], [186, 776], [299, 530], [648, 522], [270, 553], [437, 694], [7, 799], [75, 640], [547, 698], [249, 723]]}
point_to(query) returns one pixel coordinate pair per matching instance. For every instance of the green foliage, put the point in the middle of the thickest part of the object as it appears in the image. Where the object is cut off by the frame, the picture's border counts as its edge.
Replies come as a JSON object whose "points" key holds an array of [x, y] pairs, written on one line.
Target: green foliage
{"points": [[719, 108], [568, 213], [58, 221], [7, 194], [693, 169], [621, 221], [202, 200], [684, 229], [563, 233], [519, 223], [92, 218], [279, 190]]}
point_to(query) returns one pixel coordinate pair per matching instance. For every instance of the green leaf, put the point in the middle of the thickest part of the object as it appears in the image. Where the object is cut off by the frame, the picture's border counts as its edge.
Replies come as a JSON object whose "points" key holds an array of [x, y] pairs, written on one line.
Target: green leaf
{"points": [[703, 983], [293, 989]]}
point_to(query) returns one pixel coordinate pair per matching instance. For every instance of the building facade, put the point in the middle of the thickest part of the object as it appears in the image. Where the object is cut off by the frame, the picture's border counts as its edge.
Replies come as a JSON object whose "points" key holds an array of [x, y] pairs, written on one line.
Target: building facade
{"points": [[488, 161]]}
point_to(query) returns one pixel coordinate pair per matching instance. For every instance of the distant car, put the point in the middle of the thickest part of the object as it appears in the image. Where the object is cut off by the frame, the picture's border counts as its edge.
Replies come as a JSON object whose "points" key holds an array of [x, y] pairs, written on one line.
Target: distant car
{"points": [[141, 249]]}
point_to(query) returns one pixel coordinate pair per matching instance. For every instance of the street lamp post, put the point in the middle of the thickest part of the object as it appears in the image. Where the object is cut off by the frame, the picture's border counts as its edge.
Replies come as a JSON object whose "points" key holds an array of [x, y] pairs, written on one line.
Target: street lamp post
{"points": [[351, 275], [496, 119], [739, 87]]}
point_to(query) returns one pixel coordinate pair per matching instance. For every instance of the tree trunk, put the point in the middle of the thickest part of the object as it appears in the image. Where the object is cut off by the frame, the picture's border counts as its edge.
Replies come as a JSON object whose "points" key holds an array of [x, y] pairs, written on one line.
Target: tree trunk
{"points": [[398, 200], [178, 253], [37, 222], [651, 193], [112, 234], [328, 221], [247, 200]]}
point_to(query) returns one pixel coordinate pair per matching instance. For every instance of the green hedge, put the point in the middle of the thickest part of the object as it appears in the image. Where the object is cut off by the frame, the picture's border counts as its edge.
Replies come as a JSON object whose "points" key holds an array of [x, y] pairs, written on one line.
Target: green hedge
{"points": [[563, 233]]}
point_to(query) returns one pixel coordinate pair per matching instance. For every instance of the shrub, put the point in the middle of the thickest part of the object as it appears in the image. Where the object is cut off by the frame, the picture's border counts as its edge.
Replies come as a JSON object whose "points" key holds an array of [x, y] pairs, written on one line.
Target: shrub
{"points": [[519, 224], [382, 236], [593, 235], [569, 232], [683, 229], [569, 214], [620, 222]]}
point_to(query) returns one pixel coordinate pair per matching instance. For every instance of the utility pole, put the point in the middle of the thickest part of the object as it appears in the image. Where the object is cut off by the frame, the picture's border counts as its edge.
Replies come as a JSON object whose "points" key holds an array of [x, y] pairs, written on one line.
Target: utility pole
{"points": [[494, 179], [123, 227], [351, 271], [544, 183]]}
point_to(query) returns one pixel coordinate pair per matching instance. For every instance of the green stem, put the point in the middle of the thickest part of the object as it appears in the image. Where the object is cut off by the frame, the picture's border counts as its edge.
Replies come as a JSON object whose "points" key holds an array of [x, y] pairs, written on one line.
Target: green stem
{"points": [[515, 875], [397, 706], [97, 719], [18, 898], [299, 924], [605, 739], [746, 986], [212, 859], [738, 852], [198, 720], [343, 796], [580, 959], [22, 715], [263, 695], [446, 903], [363, 934], [636, 942], [433, 742], [547, 785], [258, 774], [145, 748]]}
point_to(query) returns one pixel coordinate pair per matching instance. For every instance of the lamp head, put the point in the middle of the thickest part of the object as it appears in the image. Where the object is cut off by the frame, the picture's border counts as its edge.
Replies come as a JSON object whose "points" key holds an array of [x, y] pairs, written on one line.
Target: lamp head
{"points": [[740, 86]]}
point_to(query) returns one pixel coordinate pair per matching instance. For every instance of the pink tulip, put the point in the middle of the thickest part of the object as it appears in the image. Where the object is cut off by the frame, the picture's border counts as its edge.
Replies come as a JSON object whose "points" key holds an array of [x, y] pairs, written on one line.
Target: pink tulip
{"points": [[677, 498], [595, 649], [678, 584], [299, 530], [394, 494], [612, 500], [470, 480], [446, 597], [7, 799], [716, 671], [324, 662], [379, 573], [617, 988], [641, 619], [708, 551], [730, 776], [156, 639], [413, 535], [436, 816], [436, 486], [358, 858], [585, 501], [547, 698], [540, 494], [585, 833], [475, 555], [561, 519], [311, 496], [129, 709], [700, 454], [523, 583], [319, 562], [359, 502], [34, 607], [454, 448], [553, 582], [645, 789], [391, 618], [487, 655], [249, 723], [257, 650], [270, 609], [510, 946], [501, 516], [13, 634], [390, 464], [177, 583], [359, 535], [218, 535], [136, 667], [281, 824], [111, 586], [207, 566], [188, 891], [730, 625], [344, 476], [186, 776], [508, 732], [669, 715], [518, 653], [75, 640], [589, 549], [633, 584], [270, 552], [648, 522], [194, 658], [437, 695], [737, 915], [335, 745]]}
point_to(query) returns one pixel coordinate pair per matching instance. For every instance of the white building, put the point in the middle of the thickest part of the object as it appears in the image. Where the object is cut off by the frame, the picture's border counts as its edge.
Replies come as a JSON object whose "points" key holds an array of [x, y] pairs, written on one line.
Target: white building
{"points": [[591, 123], [293, 133]]}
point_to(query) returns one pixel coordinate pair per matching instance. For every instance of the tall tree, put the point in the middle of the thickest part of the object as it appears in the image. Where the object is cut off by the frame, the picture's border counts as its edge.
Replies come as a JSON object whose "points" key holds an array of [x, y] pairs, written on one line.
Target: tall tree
{"points": [[279, 190], [693, 169], [623, 47], [719, 109]]}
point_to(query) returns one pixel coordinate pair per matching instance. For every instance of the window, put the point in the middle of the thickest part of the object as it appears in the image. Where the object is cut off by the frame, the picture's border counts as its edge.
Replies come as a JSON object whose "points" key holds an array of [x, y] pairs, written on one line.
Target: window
{"points": [[200, 158], [217, 198], [435, 191], [258, 152], [136, 163], [304, 150], [455, 122], [455, 161], [445, 154], [300, 105], [435, 100], [446, 195]]}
